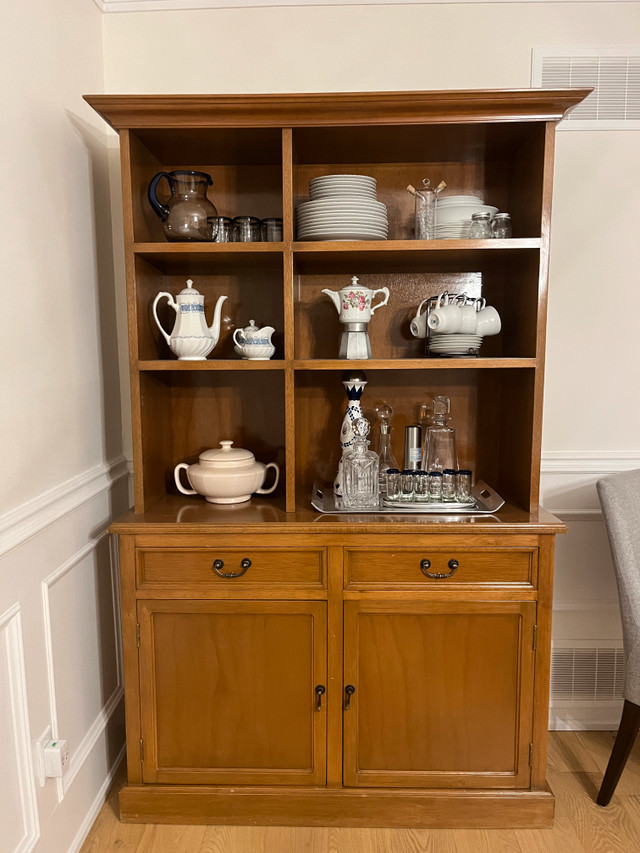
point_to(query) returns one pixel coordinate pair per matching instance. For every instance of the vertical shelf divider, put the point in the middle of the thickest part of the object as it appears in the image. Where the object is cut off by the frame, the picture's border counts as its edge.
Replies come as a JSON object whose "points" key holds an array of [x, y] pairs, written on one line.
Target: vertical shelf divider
{"points": [[289, 341]]}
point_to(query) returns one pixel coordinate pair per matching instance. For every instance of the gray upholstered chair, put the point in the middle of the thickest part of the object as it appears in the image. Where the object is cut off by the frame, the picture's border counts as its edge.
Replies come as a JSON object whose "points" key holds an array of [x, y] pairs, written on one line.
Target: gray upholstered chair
{"points": [[620, 500]]}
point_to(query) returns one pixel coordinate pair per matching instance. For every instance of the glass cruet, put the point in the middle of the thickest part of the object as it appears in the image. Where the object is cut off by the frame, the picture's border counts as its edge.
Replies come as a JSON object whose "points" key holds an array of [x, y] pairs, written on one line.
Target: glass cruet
{"points": [[360, 470], [441, 441], [387, 460]]}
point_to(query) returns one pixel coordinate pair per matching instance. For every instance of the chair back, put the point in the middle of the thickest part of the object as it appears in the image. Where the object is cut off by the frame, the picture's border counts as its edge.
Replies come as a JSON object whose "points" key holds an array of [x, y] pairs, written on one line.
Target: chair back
{"points": [[620, 500]]}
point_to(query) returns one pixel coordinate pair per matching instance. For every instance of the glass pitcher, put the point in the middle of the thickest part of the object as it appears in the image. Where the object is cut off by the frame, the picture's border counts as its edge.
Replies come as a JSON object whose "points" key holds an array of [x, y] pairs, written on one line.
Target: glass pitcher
{"points": [[188, 214]]}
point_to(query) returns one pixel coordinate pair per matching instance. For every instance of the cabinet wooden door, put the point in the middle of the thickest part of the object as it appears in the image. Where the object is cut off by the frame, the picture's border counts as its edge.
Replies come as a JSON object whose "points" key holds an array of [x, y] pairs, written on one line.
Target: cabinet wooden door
{"points": [[443, 693], [228, 692]]}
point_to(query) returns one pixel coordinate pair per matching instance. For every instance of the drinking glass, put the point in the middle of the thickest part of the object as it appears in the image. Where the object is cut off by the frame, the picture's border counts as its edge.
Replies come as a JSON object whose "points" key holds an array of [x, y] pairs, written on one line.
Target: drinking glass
{"points": [[448, 485], [271, 230], [223, 232], [246, 229], [463, 485], [435, 486]]}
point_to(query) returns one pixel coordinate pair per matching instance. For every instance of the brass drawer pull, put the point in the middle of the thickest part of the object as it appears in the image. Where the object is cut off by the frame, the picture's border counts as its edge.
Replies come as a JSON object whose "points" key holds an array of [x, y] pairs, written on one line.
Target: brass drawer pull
{"points": [[319, 691], [218, 565], [425, 565]]}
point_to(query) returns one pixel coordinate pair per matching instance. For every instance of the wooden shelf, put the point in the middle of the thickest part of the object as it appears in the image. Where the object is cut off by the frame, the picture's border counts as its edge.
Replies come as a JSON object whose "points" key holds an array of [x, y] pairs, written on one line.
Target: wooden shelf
{"points": [[207, 258], [413, 363], [409, 255], [161, 365]]}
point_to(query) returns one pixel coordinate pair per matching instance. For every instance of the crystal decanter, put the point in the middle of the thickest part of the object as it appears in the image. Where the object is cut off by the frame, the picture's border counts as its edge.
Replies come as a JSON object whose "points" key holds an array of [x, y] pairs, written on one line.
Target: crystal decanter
{"points": [[360, 469]]}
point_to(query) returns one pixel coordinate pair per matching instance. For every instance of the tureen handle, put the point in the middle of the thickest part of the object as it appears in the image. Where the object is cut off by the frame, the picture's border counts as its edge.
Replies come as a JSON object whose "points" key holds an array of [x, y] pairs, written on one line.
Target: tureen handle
{"points": [[176, 477], [275, 482]]}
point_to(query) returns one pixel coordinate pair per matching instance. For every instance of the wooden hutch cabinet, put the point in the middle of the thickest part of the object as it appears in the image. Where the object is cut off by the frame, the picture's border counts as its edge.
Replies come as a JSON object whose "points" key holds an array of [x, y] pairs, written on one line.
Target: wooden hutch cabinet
{"points": [[331, 681]]}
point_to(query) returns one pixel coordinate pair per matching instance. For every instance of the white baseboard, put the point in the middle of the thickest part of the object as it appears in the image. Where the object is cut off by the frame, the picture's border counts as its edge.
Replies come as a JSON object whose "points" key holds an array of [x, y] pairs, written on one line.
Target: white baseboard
{"points": [[99, 801]]}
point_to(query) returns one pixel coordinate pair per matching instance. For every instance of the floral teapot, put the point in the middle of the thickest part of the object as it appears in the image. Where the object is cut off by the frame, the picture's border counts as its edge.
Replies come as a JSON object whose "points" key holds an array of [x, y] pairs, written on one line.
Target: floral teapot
{"points": [[253, 343], [191, 338], [353, 303]]}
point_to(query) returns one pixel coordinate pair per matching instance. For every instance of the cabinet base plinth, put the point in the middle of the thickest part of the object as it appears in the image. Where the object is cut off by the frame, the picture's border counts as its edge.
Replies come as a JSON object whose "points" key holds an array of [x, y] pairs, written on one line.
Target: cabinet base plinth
{"points": [[447, 809]]}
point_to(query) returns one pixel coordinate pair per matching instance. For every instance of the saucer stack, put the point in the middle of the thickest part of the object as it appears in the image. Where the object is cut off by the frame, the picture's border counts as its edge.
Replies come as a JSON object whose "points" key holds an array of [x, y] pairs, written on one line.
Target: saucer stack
{"points": [[455, 345], [342, 207], [453, 215]]}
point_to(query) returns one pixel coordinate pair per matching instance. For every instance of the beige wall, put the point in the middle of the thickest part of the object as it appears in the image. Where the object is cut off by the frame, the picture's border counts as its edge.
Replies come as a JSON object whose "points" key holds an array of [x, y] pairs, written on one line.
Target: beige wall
{"points": [[352, 48], [60, 425], [61, 407]]}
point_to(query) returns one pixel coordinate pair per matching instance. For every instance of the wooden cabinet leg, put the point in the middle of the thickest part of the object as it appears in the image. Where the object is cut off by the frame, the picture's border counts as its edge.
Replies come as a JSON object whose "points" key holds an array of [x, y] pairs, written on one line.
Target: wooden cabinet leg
{"points": [[629, 725]]}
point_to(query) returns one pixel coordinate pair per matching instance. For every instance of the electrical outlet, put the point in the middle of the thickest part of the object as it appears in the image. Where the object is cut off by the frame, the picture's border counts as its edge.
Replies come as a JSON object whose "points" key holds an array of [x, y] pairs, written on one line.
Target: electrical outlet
{"points": [[56, 758]]}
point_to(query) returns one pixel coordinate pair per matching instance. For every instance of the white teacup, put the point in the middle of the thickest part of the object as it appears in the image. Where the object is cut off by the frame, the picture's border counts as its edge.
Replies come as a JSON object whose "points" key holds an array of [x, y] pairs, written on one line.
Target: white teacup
{"points": [[488, 322], [469, 320], [418, 325], [445, 317]]}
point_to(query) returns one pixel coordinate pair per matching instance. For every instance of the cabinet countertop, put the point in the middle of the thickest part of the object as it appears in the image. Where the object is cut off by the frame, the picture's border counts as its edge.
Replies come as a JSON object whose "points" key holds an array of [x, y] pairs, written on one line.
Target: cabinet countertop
{"points": [[174, 514]]}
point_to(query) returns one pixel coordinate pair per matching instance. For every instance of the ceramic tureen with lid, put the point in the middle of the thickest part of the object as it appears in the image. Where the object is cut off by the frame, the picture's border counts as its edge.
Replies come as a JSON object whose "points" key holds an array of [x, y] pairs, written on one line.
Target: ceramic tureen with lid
{"points": [[226, 475]]}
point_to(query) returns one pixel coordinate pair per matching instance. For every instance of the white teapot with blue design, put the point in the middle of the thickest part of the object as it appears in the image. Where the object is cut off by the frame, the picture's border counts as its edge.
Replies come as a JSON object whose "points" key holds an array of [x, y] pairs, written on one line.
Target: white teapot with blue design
{"points": [[191, 338]]}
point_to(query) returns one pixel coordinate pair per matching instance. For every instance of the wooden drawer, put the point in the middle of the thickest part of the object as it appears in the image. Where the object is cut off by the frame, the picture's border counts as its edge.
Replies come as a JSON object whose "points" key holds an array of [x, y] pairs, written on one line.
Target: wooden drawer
{"points": [[207, 567], [396, 568]]}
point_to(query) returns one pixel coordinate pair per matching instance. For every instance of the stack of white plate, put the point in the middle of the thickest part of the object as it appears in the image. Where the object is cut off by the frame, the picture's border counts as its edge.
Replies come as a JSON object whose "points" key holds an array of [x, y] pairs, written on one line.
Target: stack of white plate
{"points": [[342, 207], [456, 344], [453, 215]]}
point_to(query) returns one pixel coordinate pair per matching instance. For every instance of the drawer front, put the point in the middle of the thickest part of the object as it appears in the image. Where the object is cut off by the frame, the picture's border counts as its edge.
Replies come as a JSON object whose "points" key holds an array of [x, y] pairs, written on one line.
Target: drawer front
{"points": [[397, 568], [231, 567]]}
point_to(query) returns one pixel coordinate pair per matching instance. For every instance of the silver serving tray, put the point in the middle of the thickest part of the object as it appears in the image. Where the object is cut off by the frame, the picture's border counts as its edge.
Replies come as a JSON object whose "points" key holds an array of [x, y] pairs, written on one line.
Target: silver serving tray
{"points": [[485, 501]]}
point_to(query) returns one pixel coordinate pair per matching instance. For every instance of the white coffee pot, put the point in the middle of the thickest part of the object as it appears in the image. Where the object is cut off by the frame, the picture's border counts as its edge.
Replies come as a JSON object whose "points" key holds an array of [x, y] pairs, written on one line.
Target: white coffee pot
{"points": [[191, 339], [353, 303], [226, 475]]}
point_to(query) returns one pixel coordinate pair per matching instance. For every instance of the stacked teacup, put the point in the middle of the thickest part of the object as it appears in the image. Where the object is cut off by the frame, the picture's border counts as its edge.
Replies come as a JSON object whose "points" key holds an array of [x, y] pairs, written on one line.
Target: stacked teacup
{"points": [[456, 326]]}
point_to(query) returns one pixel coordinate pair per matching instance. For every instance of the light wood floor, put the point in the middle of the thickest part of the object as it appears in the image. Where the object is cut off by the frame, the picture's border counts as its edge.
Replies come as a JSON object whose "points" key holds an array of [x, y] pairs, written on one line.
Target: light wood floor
{"points": [[577, 761]]}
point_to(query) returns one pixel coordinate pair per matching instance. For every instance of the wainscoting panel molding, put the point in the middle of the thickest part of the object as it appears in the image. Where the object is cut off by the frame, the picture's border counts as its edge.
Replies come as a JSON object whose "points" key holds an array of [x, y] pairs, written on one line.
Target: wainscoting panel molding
{"points": [[17, 739]]}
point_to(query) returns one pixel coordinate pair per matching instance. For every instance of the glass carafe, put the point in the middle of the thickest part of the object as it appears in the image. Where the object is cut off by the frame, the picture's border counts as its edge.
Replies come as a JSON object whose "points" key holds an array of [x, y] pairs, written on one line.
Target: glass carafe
{"points": [[441, 439], [188, 215], [384, 413]]}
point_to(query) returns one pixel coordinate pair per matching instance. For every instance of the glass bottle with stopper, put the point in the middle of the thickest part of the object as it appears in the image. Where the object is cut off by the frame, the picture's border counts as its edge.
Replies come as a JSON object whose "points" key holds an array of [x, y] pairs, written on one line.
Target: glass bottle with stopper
{"points": [[360, 468], [440, 442], [384, 413], [354, 383]]}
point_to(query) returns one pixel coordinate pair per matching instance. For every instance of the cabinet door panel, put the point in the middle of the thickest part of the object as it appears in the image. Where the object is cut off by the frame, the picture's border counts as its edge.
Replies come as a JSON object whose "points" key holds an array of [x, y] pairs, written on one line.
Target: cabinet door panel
{"points": [[443, 693], [227, 691]]}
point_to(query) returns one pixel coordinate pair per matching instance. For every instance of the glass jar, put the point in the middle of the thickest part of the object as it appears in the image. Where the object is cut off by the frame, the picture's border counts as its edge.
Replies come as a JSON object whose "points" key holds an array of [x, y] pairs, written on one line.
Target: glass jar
{"points": [[246, 229], [448, 485], [501, 226], [360, 470], [463, 486], [271, 230], [480, 227], [223, 229], [435, 486]]}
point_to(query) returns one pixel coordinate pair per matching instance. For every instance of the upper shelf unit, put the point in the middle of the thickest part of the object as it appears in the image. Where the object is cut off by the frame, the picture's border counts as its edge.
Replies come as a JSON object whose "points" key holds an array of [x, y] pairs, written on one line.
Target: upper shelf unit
{"points": [[261, 152]]}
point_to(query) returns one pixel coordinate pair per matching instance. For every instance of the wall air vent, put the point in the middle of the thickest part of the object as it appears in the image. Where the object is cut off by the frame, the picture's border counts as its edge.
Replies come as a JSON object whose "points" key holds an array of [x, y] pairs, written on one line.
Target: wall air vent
{"points": [[587, 674], [614, 74]]}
